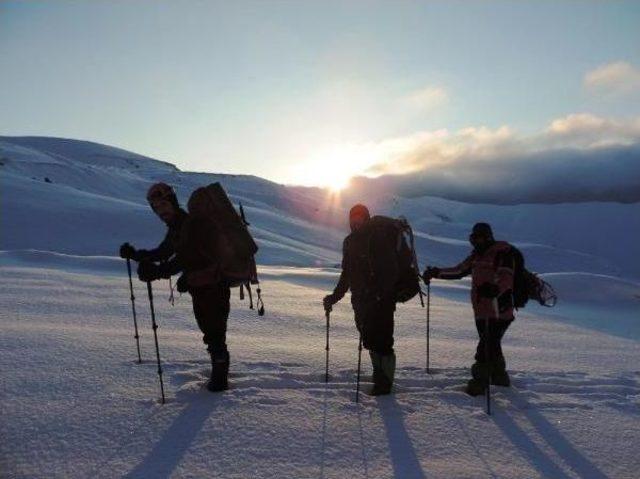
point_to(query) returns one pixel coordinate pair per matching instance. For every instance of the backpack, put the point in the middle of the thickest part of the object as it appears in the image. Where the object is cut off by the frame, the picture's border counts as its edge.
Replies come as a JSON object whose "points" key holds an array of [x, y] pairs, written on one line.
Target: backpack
{"points": [[235, 249], [528, 285], [407, 283]]}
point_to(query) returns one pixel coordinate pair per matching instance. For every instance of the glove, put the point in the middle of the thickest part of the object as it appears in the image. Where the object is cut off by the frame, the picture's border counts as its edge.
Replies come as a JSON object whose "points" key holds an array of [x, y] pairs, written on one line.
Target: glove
{"points": [[148, 271], [430, 272], [488, 290], [182, 285], [127, 251], [328, 302]]}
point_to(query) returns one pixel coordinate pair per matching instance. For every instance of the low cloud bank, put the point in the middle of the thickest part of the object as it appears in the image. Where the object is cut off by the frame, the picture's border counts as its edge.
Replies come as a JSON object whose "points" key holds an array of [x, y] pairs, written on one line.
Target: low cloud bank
{"points": [[553, 176], [578, 158]]}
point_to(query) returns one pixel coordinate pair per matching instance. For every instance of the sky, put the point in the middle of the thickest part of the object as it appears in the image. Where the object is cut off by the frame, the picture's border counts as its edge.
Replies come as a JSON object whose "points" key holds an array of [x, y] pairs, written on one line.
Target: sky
{"points": [[312, 93]]}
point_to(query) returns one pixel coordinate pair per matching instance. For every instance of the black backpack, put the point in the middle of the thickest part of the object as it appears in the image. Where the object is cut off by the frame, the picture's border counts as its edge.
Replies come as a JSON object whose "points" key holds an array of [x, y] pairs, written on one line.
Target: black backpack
{"points": [[236, 247], [407, 283], [528, 285]]}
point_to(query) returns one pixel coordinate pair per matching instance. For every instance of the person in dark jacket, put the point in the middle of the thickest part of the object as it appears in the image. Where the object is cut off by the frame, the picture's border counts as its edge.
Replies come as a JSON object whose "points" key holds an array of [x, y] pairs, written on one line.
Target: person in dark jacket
{"points": [[491, 266], [160, 262], [176, 254], [367, 258], [199, 253]]}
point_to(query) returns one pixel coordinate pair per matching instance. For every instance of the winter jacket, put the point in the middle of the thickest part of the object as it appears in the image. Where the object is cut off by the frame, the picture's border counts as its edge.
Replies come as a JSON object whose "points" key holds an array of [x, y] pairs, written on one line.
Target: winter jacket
{"points": [[369, 265], [165, 252], [494, 266], [198, 252]]}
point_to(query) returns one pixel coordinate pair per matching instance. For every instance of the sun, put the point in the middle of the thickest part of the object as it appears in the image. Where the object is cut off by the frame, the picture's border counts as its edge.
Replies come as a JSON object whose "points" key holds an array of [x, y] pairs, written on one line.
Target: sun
{"points": [[333, 167], [338, 183]]}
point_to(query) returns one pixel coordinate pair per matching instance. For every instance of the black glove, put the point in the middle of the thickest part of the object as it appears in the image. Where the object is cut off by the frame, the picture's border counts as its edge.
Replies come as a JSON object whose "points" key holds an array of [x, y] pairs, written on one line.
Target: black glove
{"points": [[182, 285], [148, 271], [127, 251], [488, 290], [328, 302], [430, 272]]}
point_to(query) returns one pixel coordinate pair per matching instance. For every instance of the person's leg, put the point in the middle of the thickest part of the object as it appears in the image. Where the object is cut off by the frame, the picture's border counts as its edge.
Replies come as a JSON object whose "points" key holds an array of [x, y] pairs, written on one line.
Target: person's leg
{"points": [[499, 375], [378, 335], [211, 308], [480, 369]]}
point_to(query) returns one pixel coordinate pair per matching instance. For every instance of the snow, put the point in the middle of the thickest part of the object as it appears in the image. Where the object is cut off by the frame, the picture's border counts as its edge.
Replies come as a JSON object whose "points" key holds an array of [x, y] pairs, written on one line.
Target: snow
{"points": [[97, 197], [74, 402]]}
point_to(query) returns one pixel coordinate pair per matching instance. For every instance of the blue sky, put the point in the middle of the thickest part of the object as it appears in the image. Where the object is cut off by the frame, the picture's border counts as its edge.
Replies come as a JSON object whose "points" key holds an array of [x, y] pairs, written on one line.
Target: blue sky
{"points": [[297, 91]]}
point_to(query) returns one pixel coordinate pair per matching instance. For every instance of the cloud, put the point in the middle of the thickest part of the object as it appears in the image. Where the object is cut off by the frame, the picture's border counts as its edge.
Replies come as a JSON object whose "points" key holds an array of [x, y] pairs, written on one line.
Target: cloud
{"points": [[613, 78], [580, 157], [427, 98], [586, 130]]}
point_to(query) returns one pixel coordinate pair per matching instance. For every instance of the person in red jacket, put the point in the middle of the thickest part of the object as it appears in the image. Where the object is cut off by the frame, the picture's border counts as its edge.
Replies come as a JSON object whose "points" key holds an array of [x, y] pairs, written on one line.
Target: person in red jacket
{"points": [[491, 266]]}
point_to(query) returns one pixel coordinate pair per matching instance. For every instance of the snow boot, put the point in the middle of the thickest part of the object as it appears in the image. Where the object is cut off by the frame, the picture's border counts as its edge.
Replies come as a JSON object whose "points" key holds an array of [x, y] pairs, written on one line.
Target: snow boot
{"points": [[476, 387], [500, 377], [479, 371], [219, 371], [478, 382], [384, 368]]}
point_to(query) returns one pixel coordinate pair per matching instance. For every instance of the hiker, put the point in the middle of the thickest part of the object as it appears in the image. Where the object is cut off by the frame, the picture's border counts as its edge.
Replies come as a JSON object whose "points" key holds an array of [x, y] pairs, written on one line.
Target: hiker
{"points": [[164, 203], [369, 270], [182, 251], [491, 266]]}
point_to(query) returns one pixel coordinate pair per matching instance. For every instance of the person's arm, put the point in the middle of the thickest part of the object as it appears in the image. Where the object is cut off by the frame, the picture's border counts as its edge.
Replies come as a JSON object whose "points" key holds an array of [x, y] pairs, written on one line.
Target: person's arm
{"points": [[456, 272], [343, 283], [162, 252], [166, 269]]}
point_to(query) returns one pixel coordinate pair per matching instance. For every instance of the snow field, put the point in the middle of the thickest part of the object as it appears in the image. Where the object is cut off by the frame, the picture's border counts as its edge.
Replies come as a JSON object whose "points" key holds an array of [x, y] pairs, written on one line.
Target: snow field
{"points": [[76, 404]]}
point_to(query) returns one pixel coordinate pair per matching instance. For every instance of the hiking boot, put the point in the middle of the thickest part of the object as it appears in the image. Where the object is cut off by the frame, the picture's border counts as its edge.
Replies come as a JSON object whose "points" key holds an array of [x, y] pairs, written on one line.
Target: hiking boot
{"points": [[219, 372], [479, 371], [500, 377], [475, 387], [384, 368]]}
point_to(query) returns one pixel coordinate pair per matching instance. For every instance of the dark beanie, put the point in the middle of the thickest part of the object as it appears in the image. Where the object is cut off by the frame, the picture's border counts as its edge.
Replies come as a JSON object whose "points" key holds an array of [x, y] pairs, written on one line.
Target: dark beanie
{"points": [[482, 229]]}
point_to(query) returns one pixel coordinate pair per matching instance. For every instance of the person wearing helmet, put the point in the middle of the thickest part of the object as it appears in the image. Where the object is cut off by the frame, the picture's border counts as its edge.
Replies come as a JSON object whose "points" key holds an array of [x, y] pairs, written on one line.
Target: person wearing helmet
{"points": [[366, 258], [160, 262], [491, 266]]}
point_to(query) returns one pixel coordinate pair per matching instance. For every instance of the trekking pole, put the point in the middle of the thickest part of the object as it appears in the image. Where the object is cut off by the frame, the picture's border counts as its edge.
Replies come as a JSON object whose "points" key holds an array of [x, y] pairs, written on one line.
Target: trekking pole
{"points": [[486, 354], [487, 351], [133, 309], [359, 365], [155, 336], [326, 348], [428, 322]]}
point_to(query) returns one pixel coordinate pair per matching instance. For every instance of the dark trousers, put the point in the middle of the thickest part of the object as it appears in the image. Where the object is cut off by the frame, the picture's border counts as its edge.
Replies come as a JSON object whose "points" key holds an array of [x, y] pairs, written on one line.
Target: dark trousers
{"points": [[211, 309], [374, 321], [496, 332]]}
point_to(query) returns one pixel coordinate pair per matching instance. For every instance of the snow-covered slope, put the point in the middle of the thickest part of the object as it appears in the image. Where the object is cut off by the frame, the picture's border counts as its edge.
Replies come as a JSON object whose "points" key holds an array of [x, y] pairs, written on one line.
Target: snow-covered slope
{"points": [[74, 403], [83, 198]]}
